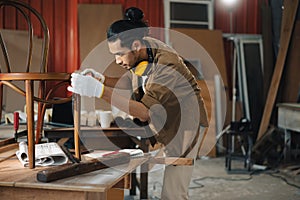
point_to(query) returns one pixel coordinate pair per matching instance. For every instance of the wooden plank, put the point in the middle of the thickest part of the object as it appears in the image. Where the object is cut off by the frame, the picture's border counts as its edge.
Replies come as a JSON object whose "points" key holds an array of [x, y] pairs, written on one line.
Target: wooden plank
{"points": [[8, 147], [288, 18], [171, 161], [8, 151], [7, 141], [8, 154]]}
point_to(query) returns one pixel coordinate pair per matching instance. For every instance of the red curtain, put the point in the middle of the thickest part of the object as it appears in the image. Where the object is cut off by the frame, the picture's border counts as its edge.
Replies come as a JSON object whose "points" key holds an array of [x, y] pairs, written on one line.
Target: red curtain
{"points": [[61, 18]]}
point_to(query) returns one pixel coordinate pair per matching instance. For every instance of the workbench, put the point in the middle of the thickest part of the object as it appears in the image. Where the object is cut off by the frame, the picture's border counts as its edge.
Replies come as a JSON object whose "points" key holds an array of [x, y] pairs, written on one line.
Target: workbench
{"points": [[113, 138], [289, 120], [18, 182]]}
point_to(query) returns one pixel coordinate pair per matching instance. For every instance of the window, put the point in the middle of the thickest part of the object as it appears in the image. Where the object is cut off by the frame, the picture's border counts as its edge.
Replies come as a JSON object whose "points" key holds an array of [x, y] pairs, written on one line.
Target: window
{"points": [[188, 14]]}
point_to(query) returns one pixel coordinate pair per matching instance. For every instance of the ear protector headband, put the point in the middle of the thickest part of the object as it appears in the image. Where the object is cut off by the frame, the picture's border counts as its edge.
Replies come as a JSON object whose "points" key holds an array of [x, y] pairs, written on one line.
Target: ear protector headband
{"points": [[140, 68], [143, 67]]}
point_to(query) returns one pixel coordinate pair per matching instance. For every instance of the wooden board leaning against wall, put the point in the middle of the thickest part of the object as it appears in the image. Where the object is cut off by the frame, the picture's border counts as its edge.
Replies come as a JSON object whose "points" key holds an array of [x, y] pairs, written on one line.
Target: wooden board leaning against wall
{"points": [[212, 42], [93, 20]]}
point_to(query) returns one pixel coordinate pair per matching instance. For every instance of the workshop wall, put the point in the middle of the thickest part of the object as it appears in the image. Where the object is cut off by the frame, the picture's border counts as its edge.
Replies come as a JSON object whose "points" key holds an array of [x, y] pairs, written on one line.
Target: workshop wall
{"points": [[61, 18]]}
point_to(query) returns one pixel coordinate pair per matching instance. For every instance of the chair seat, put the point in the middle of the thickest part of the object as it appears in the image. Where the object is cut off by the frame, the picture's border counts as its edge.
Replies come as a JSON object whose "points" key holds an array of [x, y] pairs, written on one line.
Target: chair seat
{"points": [[35, 76]]}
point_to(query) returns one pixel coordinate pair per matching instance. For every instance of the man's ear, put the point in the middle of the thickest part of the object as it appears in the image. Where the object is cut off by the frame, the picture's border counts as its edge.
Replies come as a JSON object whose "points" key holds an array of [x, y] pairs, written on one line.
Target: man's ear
{"points": [[136, 45]]}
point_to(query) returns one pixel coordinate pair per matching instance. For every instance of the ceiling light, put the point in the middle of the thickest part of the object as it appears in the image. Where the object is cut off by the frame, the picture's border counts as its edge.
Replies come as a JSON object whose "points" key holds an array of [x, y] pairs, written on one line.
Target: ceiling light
{"points": [[229, 3]]}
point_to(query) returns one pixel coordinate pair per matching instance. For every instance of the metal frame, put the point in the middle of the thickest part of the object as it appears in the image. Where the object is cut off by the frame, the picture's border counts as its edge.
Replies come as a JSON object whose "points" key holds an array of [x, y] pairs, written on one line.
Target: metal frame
{"points": [[239, 68], [248, 39]]}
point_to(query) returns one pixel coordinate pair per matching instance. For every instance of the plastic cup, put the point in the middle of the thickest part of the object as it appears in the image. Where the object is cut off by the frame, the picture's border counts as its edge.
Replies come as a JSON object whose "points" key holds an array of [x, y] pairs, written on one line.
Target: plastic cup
{"points": [[105, 118]]}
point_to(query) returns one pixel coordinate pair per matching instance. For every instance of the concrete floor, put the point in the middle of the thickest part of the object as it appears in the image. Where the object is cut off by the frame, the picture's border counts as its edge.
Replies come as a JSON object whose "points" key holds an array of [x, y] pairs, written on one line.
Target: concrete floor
{"points": [[212, 182]]}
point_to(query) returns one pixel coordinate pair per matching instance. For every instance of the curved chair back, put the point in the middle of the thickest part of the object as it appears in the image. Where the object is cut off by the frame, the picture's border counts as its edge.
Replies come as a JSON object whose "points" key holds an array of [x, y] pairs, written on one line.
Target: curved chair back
{"points": [[27, 12], [29, 74]]}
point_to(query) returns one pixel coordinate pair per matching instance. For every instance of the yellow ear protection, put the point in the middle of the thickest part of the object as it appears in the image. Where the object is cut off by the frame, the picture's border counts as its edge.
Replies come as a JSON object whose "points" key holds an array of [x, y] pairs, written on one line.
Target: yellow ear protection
{"points": [[143, 67], [140, 68]]}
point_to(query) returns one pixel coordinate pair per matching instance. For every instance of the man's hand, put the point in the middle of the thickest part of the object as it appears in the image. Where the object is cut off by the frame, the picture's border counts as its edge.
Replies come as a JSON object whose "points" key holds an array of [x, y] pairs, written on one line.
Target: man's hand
{"points": [[86, 86], [94, 73]]}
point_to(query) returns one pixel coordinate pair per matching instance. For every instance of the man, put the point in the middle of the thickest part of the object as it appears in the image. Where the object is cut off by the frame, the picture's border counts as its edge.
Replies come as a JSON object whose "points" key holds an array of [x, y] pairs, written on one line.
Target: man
{"points": [[166, 98]]}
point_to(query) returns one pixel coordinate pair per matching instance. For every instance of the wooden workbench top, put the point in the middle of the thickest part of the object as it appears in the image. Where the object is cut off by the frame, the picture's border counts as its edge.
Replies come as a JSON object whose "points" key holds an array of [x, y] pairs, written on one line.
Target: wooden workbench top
{"points": [[13, 174], [292, 106]]}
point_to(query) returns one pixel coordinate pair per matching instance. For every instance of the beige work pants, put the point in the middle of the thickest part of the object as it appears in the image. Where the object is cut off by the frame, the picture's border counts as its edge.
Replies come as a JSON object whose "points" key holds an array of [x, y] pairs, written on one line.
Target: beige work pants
{"points": [[177, 178]]}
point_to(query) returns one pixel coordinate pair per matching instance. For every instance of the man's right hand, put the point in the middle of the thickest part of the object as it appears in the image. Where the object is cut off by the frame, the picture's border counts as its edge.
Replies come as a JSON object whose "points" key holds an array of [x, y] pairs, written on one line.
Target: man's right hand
{"points": [[86, 86], [93, 73]]}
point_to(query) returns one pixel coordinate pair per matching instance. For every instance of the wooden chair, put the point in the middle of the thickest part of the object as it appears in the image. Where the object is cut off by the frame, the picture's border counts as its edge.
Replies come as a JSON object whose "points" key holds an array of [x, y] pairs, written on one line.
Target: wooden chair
{"points": [[9, 78]]}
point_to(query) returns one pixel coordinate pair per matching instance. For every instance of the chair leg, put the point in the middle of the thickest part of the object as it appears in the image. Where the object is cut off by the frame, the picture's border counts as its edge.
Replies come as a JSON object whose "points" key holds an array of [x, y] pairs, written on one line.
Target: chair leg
{"points": [[41, 112], [1, 99], [40, 122], [30, 123]]}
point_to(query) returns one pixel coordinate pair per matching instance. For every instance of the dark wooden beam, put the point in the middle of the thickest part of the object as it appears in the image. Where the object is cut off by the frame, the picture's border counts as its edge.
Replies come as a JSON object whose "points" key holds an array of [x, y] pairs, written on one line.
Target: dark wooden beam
{"points": [[288, 20]]}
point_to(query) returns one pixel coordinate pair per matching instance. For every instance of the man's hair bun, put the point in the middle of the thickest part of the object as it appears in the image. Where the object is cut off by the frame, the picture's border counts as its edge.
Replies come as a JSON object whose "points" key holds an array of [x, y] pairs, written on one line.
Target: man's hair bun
{"points": [[131, 28], [134, 14]]}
